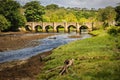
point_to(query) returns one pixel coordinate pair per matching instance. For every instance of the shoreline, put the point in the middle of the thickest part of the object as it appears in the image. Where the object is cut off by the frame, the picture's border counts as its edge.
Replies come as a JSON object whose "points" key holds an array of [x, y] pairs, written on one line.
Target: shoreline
{"points": [[17, 40], [23, 69]]}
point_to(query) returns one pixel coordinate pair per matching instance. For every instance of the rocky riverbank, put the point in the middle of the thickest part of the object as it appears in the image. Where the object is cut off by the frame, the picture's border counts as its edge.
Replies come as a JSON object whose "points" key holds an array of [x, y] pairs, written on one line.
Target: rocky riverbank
{"points": [[22, 69], [16, 40]]}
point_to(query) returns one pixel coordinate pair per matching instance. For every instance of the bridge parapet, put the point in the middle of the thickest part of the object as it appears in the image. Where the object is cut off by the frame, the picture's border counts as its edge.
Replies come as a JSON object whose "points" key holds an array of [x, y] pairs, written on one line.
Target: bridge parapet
{"points": [[66, 25]]}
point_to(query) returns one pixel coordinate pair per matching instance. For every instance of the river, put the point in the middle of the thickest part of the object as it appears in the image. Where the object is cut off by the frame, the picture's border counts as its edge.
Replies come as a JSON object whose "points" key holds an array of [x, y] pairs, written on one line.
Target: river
{"points": [[47, 44]]}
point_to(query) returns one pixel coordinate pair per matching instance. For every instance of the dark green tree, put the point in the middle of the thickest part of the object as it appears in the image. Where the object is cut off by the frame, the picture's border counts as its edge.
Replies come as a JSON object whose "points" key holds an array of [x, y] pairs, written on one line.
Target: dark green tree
{"points": [[19, 21], [107, 15], [4, 24], [117, 9], [34, 11], [10, 9], [52, 7]]}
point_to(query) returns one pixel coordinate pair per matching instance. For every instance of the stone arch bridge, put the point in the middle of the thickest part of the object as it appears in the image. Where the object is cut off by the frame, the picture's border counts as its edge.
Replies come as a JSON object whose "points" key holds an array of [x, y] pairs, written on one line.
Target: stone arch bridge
{"points": [[56, 25]]}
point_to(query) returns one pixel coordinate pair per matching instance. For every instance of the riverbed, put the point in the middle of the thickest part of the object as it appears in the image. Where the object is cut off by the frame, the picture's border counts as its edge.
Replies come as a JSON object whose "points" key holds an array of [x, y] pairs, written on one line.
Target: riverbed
{"points": [[46, 44]]}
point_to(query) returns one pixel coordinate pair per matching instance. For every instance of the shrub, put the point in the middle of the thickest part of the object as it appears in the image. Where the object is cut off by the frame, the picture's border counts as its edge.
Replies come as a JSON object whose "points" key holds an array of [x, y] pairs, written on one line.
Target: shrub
{"points": [[112, 30], [4, 24], [118, 29]]}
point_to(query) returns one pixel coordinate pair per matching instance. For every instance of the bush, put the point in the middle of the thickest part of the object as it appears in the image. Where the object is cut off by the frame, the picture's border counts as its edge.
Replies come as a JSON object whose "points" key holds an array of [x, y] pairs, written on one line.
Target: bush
{"points": [[118, 29], [4, 24], [112, 30]]}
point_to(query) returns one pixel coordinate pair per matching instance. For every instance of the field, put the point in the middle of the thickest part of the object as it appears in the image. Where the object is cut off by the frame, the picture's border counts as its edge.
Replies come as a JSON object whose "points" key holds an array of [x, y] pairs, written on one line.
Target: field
{"points": [[96, 58]]}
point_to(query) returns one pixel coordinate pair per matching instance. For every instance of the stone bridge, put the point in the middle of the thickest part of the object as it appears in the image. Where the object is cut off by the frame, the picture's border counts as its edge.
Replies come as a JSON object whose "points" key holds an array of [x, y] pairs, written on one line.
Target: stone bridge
{"points": [[56, 25]]}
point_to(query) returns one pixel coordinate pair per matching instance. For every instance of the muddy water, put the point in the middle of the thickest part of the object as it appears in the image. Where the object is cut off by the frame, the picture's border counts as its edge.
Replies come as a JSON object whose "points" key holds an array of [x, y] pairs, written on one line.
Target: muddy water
{"points": [[48, 44]]}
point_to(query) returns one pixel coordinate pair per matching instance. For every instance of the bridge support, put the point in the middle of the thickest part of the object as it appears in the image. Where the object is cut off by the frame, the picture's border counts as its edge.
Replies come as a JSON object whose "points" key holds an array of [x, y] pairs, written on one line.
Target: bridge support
{"points": [[33, 27], [43, 29], [66, 27], [56, 24], [78, 28]]}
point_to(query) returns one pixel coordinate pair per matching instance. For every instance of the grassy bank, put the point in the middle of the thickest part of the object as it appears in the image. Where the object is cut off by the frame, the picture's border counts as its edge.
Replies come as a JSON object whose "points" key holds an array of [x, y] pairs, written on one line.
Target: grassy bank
{"points": [[96, 58]]}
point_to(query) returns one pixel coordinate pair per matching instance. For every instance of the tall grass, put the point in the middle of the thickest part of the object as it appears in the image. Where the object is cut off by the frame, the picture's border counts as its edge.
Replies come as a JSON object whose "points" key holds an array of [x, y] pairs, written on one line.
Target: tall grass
{"points": [[96, 58]]}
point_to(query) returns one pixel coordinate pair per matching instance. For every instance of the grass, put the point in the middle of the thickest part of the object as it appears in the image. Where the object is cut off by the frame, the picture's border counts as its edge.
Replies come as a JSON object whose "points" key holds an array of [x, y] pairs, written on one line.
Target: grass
{"points": [[96, 58]]}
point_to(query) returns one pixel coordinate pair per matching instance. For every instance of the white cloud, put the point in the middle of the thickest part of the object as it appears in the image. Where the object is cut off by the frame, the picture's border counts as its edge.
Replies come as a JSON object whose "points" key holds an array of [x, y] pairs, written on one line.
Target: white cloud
{"points": [[78, 3]]}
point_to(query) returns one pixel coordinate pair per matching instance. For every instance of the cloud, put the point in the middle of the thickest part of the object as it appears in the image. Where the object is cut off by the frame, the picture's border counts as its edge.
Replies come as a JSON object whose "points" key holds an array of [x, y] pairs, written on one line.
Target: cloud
{"points": [[78, 3]]}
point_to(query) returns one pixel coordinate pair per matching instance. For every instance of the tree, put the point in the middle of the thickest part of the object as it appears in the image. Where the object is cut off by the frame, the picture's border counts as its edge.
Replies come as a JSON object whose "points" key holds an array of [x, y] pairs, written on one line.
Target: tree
{"points": [[108, 14], [10, 9], [52, 7], [117, 9], [4, 24], [19, 21], [34, 11], [70, 17]]}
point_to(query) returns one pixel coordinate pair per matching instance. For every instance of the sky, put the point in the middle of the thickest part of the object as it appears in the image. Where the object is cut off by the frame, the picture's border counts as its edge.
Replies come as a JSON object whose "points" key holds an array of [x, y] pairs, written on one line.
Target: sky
{"points": [[77, 3]]}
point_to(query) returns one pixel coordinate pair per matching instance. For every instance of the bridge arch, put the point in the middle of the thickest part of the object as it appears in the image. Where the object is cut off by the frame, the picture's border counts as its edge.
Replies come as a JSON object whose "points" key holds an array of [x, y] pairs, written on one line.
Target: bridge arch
{"points": [[49, 28], [83, 28], [60, 28], [38, 28], [31, 26], [72, 28], [28, 28]]}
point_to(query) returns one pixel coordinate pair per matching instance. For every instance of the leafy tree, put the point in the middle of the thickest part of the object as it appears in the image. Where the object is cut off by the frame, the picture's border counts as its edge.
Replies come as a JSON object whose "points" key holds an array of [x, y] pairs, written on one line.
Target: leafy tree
{"points": [[4, 24], [19, 21], [82, 20], [34, 11], [106, 15], [10, 9], [52, 7], [117, 9], [54, 18], [70, 17]]}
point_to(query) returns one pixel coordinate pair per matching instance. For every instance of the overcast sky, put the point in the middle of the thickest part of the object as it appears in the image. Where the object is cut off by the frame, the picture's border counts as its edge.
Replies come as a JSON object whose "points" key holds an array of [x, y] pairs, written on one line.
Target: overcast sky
{"points": [[78, 3]]}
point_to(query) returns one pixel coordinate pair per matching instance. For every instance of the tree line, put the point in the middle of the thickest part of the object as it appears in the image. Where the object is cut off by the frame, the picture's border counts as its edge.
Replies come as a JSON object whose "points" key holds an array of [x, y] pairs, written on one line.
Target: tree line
{"points": [[14, 16]]}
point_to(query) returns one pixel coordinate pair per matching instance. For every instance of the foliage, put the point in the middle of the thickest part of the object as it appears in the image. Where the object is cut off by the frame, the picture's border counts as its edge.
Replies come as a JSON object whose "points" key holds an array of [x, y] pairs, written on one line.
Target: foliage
{"points": [[113, 30], [34, 11], [117, 9], [83, 20], [10, 10], [52, 7], [18, 20], [97, 32], [69, 15], [107, 14], [4, 24], [96, 58], [8, 7]]}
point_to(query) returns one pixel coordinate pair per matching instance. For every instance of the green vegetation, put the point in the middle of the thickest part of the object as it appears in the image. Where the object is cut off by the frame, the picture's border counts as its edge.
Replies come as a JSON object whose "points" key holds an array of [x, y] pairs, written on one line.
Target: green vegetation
{"points": [[113, 30], [17, 15], [34, 11], [4, 24], [107, 14], [96, 58], [117, 9], [10, 9], [60, 14]]}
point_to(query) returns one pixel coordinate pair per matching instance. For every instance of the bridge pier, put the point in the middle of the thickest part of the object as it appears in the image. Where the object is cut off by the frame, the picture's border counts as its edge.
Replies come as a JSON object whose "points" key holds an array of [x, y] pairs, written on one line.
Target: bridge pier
{"points": [[56, 24], [32, 27], [43, 29], [66, 27], [54, 30], [78, 28]]}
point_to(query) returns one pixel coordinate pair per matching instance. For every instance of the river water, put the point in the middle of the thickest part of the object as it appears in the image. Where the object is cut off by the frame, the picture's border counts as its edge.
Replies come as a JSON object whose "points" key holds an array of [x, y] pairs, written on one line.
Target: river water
{"points": [[47, 44]]}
